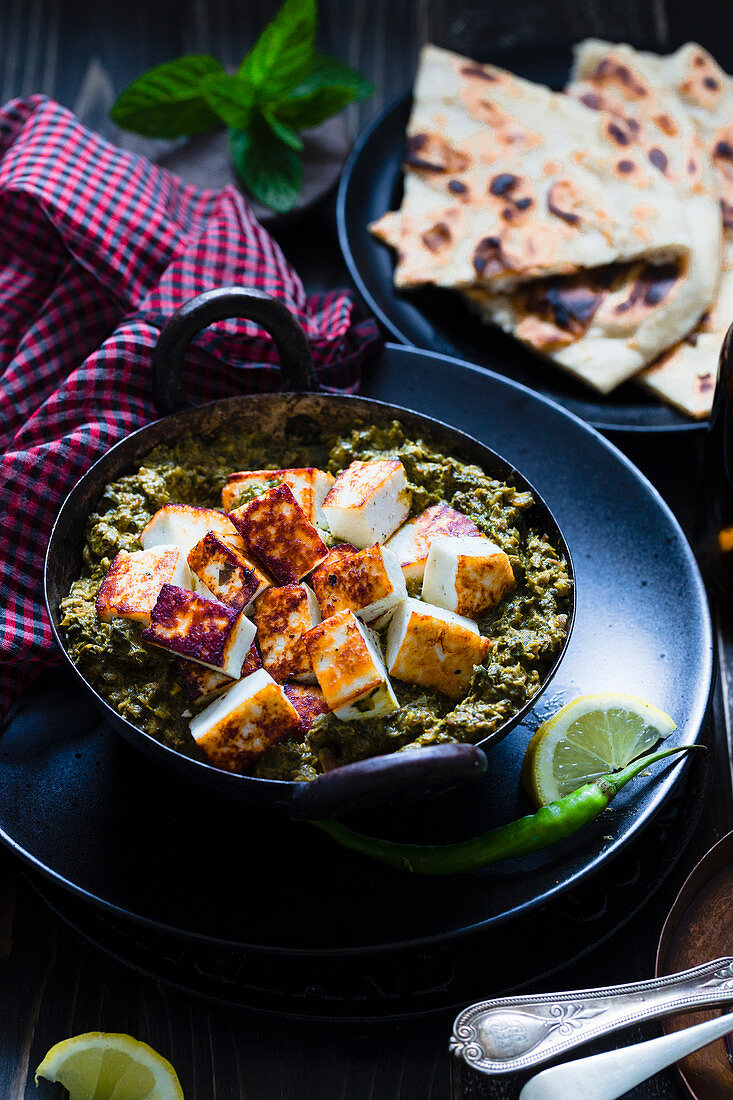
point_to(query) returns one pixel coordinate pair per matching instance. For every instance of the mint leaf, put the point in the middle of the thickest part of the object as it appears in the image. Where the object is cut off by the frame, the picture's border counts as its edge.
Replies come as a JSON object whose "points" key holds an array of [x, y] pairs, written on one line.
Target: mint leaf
{"points": [[270, 171], [302, 112], [168, 101], [326, 71], [283, 54], [231, 98], [282, 130]]}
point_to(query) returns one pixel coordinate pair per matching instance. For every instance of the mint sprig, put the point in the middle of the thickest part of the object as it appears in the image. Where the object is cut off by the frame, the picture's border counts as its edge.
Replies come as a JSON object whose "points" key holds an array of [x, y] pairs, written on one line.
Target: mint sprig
{"points": [[282, 86], [170, 100]]}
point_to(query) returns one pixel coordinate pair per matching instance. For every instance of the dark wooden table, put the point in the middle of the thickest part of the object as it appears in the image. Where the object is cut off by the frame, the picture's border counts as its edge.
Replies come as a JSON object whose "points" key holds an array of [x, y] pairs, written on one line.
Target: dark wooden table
{"points": [[53, 984]]}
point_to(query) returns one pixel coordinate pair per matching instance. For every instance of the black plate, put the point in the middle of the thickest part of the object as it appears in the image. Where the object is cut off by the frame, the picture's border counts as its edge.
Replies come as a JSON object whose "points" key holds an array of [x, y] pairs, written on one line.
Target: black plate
{"points": [[437, 320], [497, 961], [84, 808]]}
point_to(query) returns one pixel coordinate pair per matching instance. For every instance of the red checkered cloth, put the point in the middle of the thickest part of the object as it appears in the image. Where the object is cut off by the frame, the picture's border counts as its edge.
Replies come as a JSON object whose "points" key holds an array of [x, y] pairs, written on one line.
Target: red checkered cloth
{"points": [[98, 247]]}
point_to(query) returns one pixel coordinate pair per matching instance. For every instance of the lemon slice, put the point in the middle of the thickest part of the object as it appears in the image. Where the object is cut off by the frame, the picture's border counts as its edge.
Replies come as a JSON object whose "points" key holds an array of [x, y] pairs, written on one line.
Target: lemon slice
{"points": [[104, 1066], [590, 737]]}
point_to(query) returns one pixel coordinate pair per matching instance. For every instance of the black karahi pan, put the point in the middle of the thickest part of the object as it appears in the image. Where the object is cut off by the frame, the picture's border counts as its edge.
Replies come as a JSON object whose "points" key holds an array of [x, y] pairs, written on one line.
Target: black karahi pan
{"points": [[299, 410]]}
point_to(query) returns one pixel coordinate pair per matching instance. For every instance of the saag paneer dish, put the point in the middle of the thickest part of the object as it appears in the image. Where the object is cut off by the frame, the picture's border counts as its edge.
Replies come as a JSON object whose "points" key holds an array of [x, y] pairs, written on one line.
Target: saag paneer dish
{"points": [[280, 609]]}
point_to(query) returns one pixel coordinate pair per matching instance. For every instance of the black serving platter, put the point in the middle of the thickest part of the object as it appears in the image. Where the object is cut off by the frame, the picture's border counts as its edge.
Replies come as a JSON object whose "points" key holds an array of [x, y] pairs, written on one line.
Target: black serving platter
{"points": [[421, 981], [84, 809], [438, 320]]}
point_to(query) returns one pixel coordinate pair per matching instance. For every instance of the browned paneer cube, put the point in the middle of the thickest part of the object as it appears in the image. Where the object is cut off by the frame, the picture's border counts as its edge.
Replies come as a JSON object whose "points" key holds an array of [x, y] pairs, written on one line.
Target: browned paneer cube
{"points": [[349, 667], [277, 533], [225, 571], [368, 582], [241, 725], [133, 582], [200, 682], [308, 485], [411, 543], [309, 702], [282, 616], [368, 501], [200, 629], [183, 525], [433, 647], [466, 574]]}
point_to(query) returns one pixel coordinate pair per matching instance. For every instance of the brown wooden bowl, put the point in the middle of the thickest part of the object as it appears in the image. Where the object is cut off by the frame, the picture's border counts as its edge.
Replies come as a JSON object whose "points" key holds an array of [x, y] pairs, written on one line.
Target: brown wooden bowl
{"points": [[699, 928]]}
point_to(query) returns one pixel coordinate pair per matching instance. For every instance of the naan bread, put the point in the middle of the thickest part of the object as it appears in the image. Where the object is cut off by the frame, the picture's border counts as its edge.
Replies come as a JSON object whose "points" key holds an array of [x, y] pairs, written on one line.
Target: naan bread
{"points": [[604, 325], [506, 181], [685, 375], [639, 89]]}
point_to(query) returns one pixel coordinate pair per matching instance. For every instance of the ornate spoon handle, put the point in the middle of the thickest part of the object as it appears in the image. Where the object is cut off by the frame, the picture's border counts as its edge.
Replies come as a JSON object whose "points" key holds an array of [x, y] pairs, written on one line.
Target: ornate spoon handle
{"points": [[513, 1033]]}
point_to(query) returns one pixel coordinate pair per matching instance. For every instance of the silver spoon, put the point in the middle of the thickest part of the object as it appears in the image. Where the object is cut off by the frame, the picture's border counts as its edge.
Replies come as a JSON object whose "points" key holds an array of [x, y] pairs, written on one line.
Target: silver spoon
{"points": [[608, 1076], [518, 1033]]}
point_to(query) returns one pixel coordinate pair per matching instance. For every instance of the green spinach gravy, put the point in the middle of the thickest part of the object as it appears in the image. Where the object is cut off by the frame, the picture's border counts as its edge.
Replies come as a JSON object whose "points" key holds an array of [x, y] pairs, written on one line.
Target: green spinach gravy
{"points": [[141, 682]]}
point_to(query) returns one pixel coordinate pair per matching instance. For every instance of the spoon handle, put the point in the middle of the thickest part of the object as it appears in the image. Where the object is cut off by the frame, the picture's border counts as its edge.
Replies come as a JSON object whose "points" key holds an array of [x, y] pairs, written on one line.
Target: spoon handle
{"points": [[608, 1076], [518, 1033]]}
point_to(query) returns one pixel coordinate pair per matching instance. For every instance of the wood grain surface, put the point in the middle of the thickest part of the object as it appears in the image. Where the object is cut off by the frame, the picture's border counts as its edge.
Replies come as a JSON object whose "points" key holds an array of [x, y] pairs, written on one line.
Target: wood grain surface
{"points": [[52, 983]]}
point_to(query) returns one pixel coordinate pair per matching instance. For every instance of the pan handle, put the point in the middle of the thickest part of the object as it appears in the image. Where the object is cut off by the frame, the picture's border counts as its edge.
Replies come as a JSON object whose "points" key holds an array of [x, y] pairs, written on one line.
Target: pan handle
{"points": [[355, 786], [168, 362]]}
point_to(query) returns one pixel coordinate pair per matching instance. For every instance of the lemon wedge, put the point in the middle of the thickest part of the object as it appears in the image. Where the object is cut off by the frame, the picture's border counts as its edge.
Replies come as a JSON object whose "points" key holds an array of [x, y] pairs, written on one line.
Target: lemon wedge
{"points": [[590, 737], [104, 1066]]}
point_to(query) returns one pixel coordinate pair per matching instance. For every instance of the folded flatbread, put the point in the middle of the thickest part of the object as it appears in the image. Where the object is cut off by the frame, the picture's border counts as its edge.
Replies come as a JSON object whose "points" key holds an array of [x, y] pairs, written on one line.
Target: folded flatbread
{"points": [[701, 94], [606, 323], [507, 181], [686, 374]]}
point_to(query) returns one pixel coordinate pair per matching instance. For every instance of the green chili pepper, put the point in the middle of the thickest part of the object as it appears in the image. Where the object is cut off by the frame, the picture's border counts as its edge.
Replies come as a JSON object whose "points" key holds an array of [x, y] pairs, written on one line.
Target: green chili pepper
{"points": [[518, 838]]}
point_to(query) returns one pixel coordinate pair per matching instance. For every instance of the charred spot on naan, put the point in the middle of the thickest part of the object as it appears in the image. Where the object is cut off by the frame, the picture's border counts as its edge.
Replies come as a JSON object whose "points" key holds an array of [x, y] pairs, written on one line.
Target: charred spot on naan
{"points": [[666, 124], [567, 304], [488, 258], [437, 238], [480, 73], [610, 70], [722, 154], [431, 152], [592, 100], [565, 200], [506, 129], [515, 196], [723, 149], [620, 130], [625, 167], [460, 190], [704, 84], [651, 286], [659, 159]]}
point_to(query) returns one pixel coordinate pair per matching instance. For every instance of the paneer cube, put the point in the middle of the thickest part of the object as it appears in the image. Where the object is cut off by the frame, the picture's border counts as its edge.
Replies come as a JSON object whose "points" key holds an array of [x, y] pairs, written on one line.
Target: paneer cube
{"points": [[201, 683], [465, 574], [277, 533], [368, 582], [282, 616], [184, 525], [133, 582], [245, 722], [412, 542], [203, 630], [348, 665], [368, 501], [309, 702], [308, 485], [225, 571], [433, 647]]}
